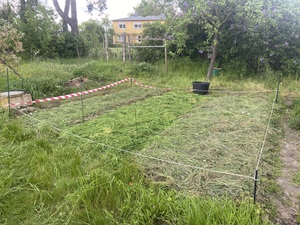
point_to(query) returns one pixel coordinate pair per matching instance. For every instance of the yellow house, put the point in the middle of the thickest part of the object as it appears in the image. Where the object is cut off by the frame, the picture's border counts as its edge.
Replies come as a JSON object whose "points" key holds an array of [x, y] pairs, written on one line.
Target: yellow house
{"points": [[133, 27]]}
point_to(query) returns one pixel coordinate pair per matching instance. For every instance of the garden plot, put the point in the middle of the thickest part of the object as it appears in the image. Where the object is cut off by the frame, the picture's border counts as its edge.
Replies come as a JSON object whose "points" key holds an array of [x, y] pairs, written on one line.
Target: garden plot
{"points": [[223, 136], [202, 144], [70, 112]]}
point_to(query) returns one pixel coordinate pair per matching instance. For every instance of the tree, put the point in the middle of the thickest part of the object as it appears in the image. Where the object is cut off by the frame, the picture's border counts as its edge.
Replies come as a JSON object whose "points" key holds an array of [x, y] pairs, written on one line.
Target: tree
{"points": [[212, 15], [152, 30], [10, 45], [149, 8], [72, 20], [39, 28], [92, 34], [6, 12]]}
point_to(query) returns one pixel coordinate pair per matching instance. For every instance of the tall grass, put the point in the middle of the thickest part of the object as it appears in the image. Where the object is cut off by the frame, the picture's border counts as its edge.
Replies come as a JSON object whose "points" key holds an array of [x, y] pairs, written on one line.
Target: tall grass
{"points": [[181, 73], [45, 179], [295, 115], [51, 177]]}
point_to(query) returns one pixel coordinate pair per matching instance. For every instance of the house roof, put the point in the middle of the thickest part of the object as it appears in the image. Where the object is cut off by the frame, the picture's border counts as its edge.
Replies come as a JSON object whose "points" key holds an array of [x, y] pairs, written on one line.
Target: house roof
{"points": [[141, 18]]}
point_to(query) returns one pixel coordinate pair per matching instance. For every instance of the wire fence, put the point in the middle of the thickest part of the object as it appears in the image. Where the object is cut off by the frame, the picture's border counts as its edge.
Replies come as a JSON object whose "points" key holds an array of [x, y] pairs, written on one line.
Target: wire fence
{"points": [[167, 160]]}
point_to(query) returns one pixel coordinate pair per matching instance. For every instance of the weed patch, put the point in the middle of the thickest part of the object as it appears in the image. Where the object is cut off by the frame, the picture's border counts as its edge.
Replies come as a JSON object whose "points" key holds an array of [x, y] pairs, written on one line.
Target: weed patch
{"points": [[295, 116]]}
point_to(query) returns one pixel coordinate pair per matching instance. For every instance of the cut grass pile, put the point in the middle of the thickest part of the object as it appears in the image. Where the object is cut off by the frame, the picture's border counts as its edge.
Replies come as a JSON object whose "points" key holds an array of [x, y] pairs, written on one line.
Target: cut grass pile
{"points": [[225, 134]]}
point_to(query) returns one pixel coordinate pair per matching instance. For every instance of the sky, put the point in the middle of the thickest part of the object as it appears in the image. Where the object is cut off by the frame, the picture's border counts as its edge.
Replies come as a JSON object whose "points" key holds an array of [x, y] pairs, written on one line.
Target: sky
{"points": [[116, 9]]}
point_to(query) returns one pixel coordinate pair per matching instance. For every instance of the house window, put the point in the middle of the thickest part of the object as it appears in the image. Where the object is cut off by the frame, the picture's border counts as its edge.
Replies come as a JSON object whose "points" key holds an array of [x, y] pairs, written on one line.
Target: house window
{"points": [[139, 38], [137, 26], [122, 25], [121, 38]]}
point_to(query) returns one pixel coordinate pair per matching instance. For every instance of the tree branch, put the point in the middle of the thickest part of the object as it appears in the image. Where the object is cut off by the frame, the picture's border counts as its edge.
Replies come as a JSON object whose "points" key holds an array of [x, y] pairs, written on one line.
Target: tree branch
{"points": [[5, 63], [60, 12]]}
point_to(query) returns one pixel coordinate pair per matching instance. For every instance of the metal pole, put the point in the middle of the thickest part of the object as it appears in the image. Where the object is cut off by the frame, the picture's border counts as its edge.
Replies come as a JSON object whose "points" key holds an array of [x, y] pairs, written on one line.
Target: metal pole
{"points": [[277, 90], [8, 91], [255, 186]]}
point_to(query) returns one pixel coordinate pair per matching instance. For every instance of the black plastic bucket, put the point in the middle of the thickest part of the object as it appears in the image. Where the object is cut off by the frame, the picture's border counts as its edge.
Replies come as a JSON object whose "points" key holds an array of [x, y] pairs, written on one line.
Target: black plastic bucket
{"points": [[200, 87]]}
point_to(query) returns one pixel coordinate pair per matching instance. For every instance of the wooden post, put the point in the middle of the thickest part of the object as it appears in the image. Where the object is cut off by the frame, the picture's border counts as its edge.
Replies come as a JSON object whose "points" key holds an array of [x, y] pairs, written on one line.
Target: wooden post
{"points": [[129, 49], [124, 47], [166, 56], [106, 44]]}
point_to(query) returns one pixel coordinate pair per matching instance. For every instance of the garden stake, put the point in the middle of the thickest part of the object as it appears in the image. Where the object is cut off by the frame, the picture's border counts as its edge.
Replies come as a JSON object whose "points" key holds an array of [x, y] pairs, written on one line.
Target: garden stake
{"points": [[135, 117], [255, 186], [8, 93], [277, 91], [135, 112], [82, 109]]}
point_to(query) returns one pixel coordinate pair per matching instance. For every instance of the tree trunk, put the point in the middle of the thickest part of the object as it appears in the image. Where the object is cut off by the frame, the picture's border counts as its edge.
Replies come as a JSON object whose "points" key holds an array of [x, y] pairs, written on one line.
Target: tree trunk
{"points": [[67, 10], [22, 10], [214, 56], [74, 22], [71, 21]]}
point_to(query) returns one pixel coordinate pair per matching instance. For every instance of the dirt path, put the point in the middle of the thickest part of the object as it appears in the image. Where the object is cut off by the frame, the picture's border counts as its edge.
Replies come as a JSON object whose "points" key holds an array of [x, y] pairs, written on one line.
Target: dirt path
{"points": [[288, 205]]}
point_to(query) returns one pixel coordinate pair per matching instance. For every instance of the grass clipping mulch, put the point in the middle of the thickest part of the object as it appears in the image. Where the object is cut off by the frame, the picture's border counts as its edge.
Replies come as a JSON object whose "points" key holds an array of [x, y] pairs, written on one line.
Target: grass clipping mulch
{"points": [[224, 134]]}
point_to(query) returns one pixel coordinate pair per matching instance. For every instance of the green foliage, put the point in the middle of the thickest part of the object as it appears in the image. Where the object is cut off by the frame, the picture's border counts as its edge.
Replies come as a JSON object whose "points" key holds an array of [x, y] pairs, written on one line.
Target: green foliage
{"points": [[149, 8], [41, 88], [295, 117], [92, 34], [270, 41], [253, 35], [69, 45], [6, 12], [151, 55], [141, 69], [99, 71], [39, 27], [10, 44]]}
